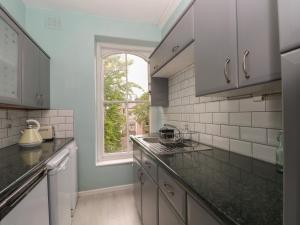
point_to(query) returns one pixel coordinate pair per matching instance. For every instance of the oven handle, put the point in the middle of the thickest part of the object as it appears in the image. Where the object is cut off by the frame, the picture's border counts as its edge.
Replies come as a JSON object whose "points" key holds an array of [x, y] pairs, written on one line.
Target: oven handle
{"points": [[13, 199]]}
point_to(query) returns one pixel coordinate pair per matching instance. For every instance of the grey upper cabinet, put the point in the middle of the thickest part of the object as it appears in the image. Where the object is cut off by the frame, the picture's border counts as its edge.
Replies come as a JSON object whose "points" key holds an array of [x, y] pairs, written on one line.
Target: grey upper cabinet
{"points": [[167, 214], [10, 60], [289, 26], [181, 35], [30, 74], [149, 200], [215, 46], [198, 215], [258, 41], [44, 80]]}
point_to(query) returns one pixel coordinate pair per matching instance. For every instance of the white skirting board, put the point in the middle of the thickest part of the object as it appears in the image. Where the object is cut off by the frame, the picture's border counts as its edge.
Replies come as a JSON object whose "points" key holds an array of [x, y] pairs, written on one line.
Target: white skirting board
{"points": [[105, 190]]}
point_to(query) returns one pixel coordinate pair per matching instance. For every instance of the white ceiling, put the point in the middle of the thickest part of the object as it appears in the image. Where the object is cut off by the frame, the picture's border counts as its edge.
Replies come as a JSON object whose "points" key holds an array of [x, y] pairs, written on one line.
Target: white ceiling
{"points": [[154, 12]]}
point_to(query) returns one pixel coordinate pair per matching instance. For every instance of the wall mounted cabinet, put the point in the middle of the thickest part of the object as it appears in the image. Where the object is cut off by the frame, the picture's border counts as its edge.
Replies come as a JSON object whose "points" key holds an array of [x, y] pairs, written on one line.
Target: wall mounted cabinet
{"points": [[237, 48], [10, 60], [24, 67]]}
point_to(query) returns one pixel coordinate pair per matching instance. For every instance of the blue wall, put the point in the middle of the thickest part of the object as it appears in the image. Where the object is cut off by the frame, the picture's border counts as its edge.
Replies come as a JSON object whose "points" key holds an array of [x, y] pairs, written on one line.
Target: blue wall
{"points": [[72, 51], [16, 8]]}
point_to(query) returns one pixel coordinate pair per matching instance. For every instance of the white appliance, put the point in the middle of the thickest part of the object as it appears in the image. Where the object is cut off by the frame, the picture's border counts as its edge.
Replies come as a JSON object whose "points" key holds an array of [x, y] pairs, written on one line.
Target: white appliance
{"points": [[59, 188], [29, 203], [73, 148]]}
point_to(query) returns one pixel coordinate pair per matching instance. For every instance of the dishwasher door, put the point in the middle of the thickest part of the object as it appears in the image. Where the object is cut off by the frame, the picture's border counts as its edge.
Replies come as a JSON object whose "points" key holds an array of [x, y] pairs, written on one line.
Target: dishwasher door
{"points": [[32, 210], [59, 193]]}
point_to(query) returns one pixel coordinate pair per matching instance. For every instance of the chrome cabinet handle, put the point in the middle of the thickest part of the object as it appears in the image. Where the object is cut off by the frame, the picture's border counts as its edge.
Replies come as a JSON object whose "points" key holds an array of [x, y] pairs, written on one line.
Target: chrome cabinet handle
{"points": [[226, 70], [175, 49], [169, 189], [246, 53]]}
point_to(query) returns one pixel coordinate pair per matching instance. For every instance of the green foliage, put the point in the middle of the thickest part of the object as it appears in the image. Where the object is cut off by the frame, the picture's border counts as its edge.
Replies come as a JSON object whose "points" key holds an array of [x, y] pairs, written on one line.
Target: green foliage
{"points": [[141, 112], [116, 89]]}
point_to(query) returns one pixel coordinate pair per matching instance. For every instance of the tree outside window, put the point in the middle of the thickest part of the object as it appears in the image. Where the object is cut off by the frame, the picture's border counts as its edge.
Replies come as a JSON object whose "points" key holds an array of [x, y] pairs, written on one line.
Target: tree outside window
{"points": [[126, 100]]}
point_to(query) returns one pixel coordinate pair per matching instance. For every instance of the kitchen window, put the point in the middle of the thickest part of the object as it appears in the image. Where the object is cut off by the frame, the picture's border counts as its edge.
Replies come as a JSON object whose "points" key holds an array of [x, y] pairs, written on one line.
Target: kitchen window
{"points": [[122, 101]]}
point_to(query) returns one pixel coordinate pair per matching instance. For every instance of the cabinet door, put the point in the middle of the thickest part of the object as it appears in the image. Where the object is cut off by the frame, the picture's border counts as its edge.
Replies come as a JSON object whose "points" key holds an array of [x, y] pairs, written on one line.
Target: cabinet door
{"points": [[44, 78], [167, 214], [149, 201], [33, 209], [10, 61], [30, 75], [258, 40], [215, 46], [289, 26], [197, 215], [137, 187]]}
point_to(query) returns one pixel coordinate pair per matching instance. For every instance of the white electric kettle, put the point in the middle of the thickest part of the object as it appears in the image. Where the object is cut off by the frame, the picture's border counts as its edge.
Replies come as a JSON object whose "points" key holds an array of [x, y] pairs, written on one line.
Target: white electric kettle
{"points": [[30, 137]]}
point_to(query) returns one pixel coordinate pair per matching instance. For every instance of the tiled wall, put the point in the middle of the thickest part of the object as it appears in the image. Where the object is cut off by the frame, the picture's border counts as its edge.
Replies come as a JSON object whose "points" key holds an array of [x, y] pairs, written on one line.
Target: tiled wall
{"points": [[244, 126], [13, 121]]}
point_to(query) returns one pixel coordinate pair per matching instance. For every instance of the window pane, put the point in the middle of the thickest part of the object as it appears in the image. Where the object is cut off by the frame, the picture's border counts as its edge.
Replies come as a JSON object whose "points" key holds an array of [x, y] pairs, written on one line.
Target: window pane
{"points": [[137, 77], [115, 77], [115, 129], [138, 118]]}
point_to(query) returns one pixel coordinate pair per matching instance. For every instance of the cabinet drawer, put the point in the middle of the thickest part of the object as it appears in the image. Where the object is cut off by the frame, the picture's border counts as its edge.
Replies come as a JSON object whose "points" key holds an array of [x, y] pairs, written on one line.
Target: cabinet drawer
{"points": [[175, 194], [181, 35], [198, 215], [150, 166], [167, 214]]}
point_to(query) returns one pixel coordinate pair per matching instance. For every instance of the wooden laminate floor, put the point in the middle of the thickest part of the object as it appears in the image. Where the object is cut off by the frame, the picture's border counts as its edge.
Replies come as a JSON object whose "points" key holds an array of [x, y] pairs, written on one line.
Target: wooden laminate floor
{"points": [[114, 208]]}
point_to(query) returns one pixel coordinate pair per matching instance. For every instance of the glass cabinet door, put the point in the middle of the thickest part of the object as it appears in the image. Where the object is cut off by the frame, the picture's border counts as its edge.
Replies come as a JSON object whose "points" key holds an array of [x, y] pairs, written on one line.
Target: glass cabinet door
{"points": [[9, 61]]}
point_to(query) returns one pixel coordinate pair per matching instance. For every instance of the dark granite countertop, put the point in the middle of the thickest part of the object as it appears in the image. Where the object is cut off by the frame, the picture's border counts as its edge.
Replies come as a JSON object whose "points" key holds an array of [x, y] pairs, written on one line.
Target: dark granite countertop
{"points": [[18, 164], [238, 189]]}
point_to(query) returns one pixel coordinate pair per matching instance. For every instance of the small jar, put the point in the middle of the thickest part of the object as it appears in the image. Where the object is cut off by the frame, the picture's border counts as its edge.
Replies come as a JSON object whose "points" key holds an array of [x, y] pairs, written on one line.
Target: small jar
{"points": [[279, 152]]}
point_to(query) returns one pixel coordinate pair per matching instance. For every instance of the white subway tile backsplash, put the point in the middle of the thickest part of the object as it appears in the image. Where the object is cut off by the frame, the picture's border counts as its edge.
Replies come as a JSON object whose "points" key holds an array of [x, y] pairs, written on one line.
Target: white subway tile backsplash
{"points": [[264, 152], [65, 112], [221, 142], [49, 113], [257, 135], [241, 147], [57, 120], [69, 134], [3, 133], [213, 129], [248, 105], [267, 119], [220, 118], [60, 134], [240, 119], [230, 131], [229, 106], [34, 113], [243, 126], [206, 139], [274, 103], [273, 137], [199, 108], [205, 117], [212, 107], [3, 113]]}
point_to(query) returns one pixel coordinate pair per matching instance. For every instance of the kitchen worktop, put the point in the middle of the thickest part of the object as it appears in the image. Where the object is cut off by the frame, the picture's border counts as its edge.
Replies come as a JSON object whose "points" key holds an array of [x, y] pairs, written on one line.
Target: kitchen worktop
{"points": [[238, 189], [17, 164]]}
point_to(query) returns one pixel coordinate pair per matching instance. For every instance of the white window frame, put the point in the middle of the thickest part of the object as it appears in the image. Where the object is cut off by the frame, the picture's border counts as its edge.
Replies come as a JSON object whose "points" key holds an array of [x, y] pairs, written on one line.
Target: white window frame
{"points": [[102, 51]]}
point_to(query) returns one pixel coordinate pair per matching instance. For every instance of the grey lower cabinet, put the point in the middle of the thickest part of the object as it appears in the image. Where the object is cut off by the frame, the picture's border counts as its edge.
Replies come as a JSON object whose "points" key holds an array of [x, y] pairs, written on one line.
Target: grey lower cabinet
{"points": [[197, 215], [167, 214], [149, 200], [215, 46], [237, 48], [137, 186]]}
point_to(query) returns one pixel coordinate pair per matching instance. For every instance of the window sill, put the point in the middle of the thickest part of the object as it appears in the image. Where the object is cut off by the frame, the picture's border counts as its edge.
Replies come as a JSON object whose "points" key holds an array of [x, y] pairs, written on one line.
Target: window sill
{"points": [[114, 162]]}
